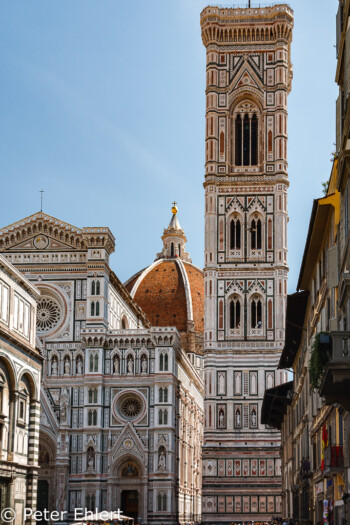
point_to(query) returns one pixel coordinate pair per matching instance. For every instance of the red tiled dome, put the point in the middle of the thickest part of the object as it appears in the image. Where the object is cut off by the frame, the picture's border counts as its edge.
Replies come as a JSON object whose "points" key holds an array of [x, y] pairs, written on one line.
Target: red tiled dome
{"points": [[171, 293], [171, 290]]}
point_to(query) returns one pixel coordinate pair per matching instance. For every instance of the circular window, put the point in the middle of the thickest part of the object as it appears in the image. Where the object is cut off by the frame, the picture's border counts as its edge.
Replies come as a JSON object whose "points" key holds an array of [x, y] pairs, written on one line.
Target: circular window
{"points": [[130, 407], [48, 314]]}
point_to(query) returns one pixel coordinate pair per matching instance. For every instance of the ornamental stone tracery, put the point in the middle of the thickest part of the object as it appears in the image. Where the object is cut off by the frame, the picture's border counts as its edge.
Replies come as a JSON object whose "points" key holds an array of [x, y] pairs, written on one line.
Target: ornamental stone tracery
{"points": [[48, 314], [130, 407]]}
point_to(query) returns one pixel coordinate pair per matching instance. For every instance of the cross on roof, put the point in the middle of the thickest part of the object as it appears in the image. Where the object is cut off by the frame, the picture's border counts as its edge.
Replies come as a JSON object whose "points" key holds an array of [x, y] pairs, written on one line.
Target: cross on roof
{"points": [[41, 199]]}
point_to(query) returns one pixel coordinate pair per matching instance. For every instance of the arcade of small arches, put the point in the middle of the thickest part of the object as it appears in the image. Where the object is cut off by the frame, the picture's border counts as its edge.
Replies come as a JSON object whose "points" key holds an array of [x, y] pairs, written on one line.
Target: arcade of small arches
{"points": [[67, 364], [130, 364], [246, 34]]}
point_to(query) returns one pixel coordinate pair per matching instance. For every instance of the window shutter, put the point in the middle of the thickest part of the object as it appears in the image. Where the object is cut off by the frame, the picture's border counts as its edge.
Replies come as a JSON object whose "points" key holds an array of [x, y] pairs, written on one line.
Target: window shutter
{"points": [[332, 270], [338, 131], [347, 66], [333, 324], [339, 25]]}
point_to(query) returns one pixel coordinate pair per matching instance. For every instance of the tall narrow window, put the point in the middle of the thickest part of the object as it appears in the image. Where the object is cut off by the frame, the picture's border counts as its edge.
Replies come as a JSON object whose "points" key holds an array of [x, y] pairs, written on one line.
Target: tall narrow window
{"points": [[238, 145], [246, 137], [97, 308], [172, 250], [253, 234], [256, 313], [258, 234], [235, 313], [246, 140], [93, 288], [254, 141], [161, 362], [98, 288], [166, 362], [92, 309], [161, 395], [165, 392], [235, 234]]}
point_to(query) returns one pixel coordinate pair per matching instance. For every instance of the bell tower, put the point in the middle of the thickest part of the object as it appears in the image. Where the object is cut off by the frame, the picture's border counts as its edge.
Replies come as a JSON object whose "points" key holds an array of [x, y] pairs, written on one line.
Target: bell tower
{"points": [[248, 78]]}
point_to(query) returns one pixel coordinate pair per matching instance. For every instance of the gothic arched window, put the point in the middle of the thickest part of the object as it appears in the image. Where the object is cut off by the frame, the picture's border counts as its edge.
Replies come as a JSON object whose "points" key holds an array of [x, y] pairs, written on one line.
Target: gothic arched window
{"points": [[92, 418], [235, 234], [254, 141], [256, 234], [92, 309], [161, 505], [172, 250], [256, 313], [98, 288], [93, 288], [246, 135], [97, 308], [93, 395], [93, 363], [238, 148], [235, 313], [161, 395], [166, 362]]}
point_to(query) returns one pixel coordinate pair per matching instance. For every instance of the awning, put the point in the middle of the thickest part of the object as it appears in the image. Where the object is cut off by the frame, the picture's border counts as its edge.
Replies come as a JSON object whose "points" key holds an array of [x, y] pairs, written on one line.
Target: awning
{"points": [[275, 403], [295, 315]]}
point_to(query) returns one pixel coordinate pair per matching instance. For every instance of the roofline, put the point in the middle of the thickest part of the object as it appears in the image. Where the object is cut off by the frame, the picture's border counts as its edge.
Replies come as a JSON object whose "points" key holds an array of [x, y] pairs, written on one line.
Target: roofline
{"points": [[129, 299], [19, 277], [308, 238], [133, 276]]}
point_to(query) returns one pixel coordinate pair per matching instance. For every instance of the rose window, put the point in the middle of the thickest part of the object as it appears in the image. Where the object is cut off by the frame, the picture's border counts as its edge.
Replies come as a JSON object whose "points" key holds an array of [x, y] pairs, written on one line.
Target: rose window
{"points": [[48, 314], [130, 407]]}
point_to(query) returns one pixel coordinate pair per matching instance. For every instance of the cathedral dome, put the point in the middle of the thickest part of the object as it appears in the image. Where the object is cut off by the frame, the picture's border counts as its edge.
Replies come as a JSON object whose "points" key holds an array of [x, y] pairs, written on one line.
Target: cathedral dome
{"points": [[171, 290]]}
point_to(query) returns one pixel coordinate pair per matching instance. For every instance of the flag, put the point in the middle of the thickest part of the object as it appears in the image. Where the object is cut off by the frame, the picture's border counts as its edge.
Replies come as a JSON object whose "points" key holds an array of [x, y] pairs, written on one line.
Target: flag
{"points": [[324, 445]]}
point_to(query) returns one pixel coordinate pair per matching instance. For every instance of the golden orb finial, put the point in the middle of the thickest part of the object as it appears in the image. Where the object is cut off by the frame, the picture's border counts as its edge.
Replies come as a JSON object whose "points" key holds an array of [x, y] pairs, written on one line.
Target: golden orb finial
{"points": [[174, 208]]}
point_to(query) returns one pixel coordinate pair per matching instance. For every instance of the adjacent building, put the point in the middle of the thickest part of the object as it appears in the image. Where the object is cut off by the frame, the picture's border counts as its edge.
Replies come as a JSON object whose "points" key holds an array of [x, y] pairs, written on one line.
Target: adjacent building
{"points": [[312, 410], [248, 79], [121, 421], [20, 372]]}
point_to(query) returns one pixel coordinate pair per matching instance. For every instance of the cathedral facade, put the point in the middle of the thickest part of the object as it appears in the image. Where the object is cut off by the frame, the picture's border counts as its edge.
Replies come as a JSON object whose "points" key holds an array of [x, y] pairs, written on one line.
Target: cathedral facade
{"points": [[248, 76], [122, 401]]}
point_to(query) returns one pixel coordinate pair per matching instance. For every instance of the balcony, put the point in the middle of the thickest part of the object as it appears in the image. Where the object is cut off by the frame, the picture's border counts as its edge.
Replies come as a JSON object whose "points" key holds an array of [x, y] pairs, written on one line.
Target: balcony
{"points": [[333, 459], [335, 383], [305, 469]]}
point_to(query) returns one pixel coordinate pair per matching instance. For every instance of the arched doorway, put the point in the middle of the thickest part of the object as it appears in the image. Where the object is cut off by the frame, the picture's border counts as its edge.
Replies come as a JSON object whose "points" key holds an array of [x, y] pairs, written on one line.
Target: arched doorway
{"points": [[46, 482], [129, 488]]}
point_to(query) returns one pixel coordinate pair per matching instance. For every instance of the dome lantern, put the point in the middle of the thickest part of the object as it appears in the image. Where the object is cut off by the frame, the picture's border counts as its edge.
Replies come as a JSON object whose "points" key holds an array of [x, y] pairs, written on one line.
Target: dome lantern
{"points": [[174, 239]]}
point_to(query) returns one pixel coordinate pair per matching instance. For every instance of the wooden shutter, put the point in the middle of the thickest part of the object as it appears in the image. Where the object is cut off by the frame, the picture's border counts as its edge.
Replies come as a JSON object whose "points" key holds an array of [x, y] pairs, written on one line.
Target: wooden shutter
{"points": [[332, 270]]}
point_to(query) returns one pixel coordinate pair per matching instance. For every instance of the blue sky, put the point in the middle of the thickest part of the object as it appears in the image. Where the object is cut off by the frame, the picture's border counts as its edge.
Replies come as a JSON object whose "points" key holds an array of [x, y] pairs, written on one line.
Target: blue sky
{"points": [[102, 105]]}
